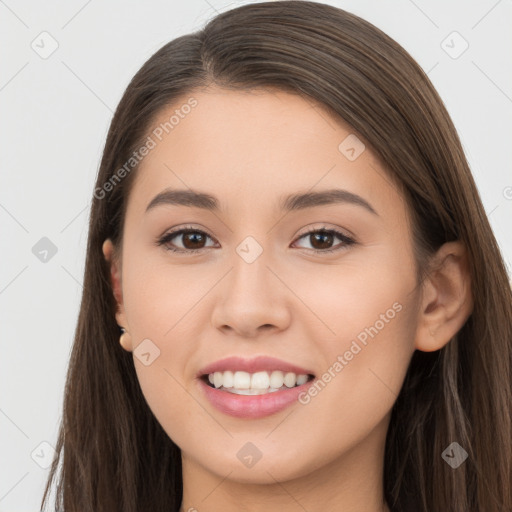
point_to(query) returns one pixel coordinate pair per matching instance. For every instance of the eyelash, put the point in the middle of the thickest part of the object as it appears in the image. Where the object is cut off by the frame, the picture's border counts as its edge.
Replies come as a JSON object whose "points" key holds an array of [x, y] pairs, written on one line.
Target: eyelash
{"points": [[347, 241]]}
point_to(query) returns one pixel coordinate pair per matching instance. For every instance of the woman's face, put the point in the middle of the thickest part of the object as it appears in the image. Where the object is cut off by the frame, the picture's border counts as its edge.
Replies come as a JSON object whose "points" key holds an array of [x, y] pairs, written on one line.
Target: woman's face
{"points": [[260, 286]]}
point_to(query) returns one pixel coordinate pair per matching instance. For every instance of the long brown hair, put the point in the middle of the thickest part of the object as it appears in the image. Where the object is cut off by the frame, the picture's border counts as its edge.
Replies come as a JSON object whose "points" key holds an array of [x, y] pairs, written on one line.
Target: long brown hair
{"points": [[112, 454]]}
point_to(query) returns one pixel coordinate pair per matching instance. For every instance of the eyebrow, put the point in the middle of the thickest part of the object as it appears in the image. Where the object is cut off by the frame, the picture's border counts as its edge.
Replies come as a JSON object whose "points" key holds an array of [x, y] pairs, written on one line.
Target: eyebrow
{"points": [[291, 202]]}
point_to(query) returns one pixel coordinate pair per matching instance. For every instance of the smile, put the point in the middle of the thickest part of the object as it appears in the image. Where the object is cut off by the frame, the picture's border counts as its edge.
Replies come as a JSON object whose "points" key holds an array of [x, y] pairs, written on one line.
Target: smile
{"points": [[257, 402], [259, 383]]}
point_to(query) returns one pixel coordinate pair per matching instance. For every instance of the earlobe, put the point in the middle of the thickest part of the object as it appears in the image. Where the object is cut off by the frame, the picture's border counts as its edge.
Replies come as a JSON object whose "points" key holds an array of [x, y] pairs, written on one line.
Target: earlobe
{"points": [[115, 280], [447, 300]]}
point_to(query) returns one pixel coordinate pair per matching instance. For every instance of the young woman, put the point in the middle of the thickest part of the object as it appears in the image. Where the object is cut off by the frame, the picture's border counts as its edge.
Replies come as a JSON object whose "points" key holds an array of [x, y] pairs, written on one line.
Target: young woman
{"points": [[293, 299]]}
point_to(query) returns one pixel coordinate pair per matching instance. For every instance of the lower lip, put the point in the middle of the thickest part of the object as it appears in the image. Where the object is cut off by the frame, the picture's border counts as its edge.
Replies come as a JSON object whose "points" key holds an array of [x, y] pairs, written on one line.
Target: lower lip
{"points": [[252, 406]]}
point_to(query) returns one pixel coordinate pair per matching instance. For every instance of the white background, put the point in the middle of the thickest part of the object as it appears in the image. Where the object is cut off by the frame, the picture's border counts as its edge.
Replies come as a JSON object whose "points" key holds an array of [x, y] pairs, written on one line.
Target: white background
{"points": [[55, 113]]}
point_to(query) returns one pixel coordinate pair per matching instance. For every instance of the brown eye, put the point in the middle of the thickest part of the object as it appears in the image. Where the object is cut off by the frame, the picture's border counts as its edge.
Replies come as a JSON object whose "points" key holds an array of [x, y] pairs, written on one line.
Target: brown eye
{"points": [[193, 240], [321, 240]]}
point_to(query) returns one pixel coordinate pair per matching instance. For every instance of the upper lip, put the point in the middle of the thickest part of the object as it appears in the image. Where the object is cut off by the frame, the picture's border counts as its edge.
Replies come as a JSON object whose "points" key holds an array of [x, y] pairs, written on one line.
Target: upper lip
{"points": [[257, 364]]}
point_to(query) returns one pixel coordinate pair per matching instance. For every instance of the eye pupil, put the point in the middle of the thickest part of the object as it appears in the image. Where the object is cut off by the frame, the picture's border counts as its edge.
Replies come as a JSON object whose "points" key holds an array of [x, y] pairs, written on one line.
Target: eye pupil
{"points": [[322, 235], [195, 236]]}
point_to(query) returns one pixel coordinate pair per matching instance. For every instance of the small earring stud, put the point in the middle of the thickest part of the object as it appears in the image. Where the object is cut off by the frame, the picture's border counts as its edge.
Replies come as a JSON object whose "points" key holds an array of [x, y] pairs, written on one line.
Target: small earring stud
{"points": [[124, 340]]}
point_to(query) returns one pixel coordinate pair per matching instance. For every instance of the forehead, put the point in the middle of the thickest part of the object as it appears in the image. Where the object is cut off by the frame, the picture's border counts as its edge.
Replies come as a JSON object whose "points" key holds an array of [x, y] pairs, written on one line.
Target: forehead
{"points": [[258, 143]]}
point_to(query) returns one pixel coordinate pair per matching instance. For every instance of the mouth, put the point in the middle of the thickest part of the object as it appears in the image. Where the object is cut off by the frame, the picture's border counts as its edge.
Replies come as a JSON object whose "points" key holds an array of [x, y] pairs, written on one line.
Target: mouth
{"points": [[258, 383]]}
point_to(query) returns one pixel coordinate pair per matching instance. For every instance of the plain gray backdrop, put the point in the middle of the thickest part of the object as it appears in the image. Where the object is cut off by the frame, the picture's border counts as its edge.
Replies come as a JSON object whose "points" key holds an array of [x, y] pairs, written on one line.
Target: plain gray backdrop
{"points": [[64, 68]]}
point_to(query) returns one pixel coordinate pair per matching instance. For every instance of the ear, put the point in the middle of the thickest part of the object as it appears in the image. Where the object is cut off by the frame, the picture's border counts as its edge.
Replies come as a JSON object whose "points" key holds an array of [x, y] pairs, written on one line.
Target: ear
{"points": [[447, 300], [115, 278]]}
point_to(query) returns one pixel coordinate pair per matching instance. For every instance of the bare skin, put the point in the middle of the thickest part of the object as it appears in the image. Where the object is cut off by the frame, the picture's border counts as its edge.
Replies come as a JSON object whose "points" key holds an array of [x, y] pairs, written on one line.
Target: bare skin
{"points": [[294, 302]]}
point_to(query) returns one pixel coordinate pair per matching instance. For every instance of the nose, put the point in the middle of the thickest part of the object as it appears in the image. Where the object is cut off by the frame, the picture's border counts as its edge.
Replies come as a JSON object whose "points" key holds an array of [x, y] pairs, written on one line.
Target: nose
{"points": [[252, 299]]}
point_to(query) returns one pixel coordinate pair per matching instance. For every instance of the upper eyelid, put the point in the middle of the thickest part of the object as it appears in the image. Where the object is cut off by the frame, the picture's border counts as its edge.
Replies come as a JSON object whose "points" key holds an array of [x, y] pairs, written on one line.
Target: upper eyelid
{"points": [[327, 228], [306, 231]]}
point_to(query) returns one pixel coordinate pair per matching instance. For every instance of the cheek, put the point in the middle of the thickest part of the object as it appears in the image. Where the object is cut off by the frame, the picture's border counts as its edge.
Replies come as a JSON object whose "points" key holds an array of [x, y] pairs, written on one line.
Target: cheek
{"points": [[161, 304], [364, 329], [161, 299], [362, 297]]}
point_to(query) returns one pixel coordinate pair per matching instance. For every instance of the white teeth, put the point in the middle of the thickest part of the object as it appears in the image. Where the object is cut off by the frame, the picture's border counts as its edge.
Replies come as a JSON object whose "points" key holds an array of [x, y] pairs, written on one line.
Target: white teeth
{"points": [[244, 383], [301, 379], [228, 380], [251, 391], [241, 380], [276, 379], [217, 379], [260, 380], [290, 379]]}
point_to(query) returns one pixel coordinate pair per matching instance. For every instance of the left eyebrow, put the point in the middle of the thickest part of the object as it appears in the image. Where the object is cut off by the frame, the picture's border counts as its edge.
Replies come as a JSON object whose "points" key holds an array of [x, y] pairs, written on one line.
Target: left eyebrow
{"points": [[291, 202], [331, 196]]}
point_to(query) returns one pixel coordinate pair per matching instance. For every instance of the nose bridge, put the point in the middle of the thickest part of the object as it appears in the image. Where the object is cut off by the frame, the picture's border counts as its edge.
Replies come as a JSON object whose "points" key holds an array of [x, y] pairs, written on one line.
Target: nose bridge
{"points": [[250, 272], [253, 251], [251, 296]]}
